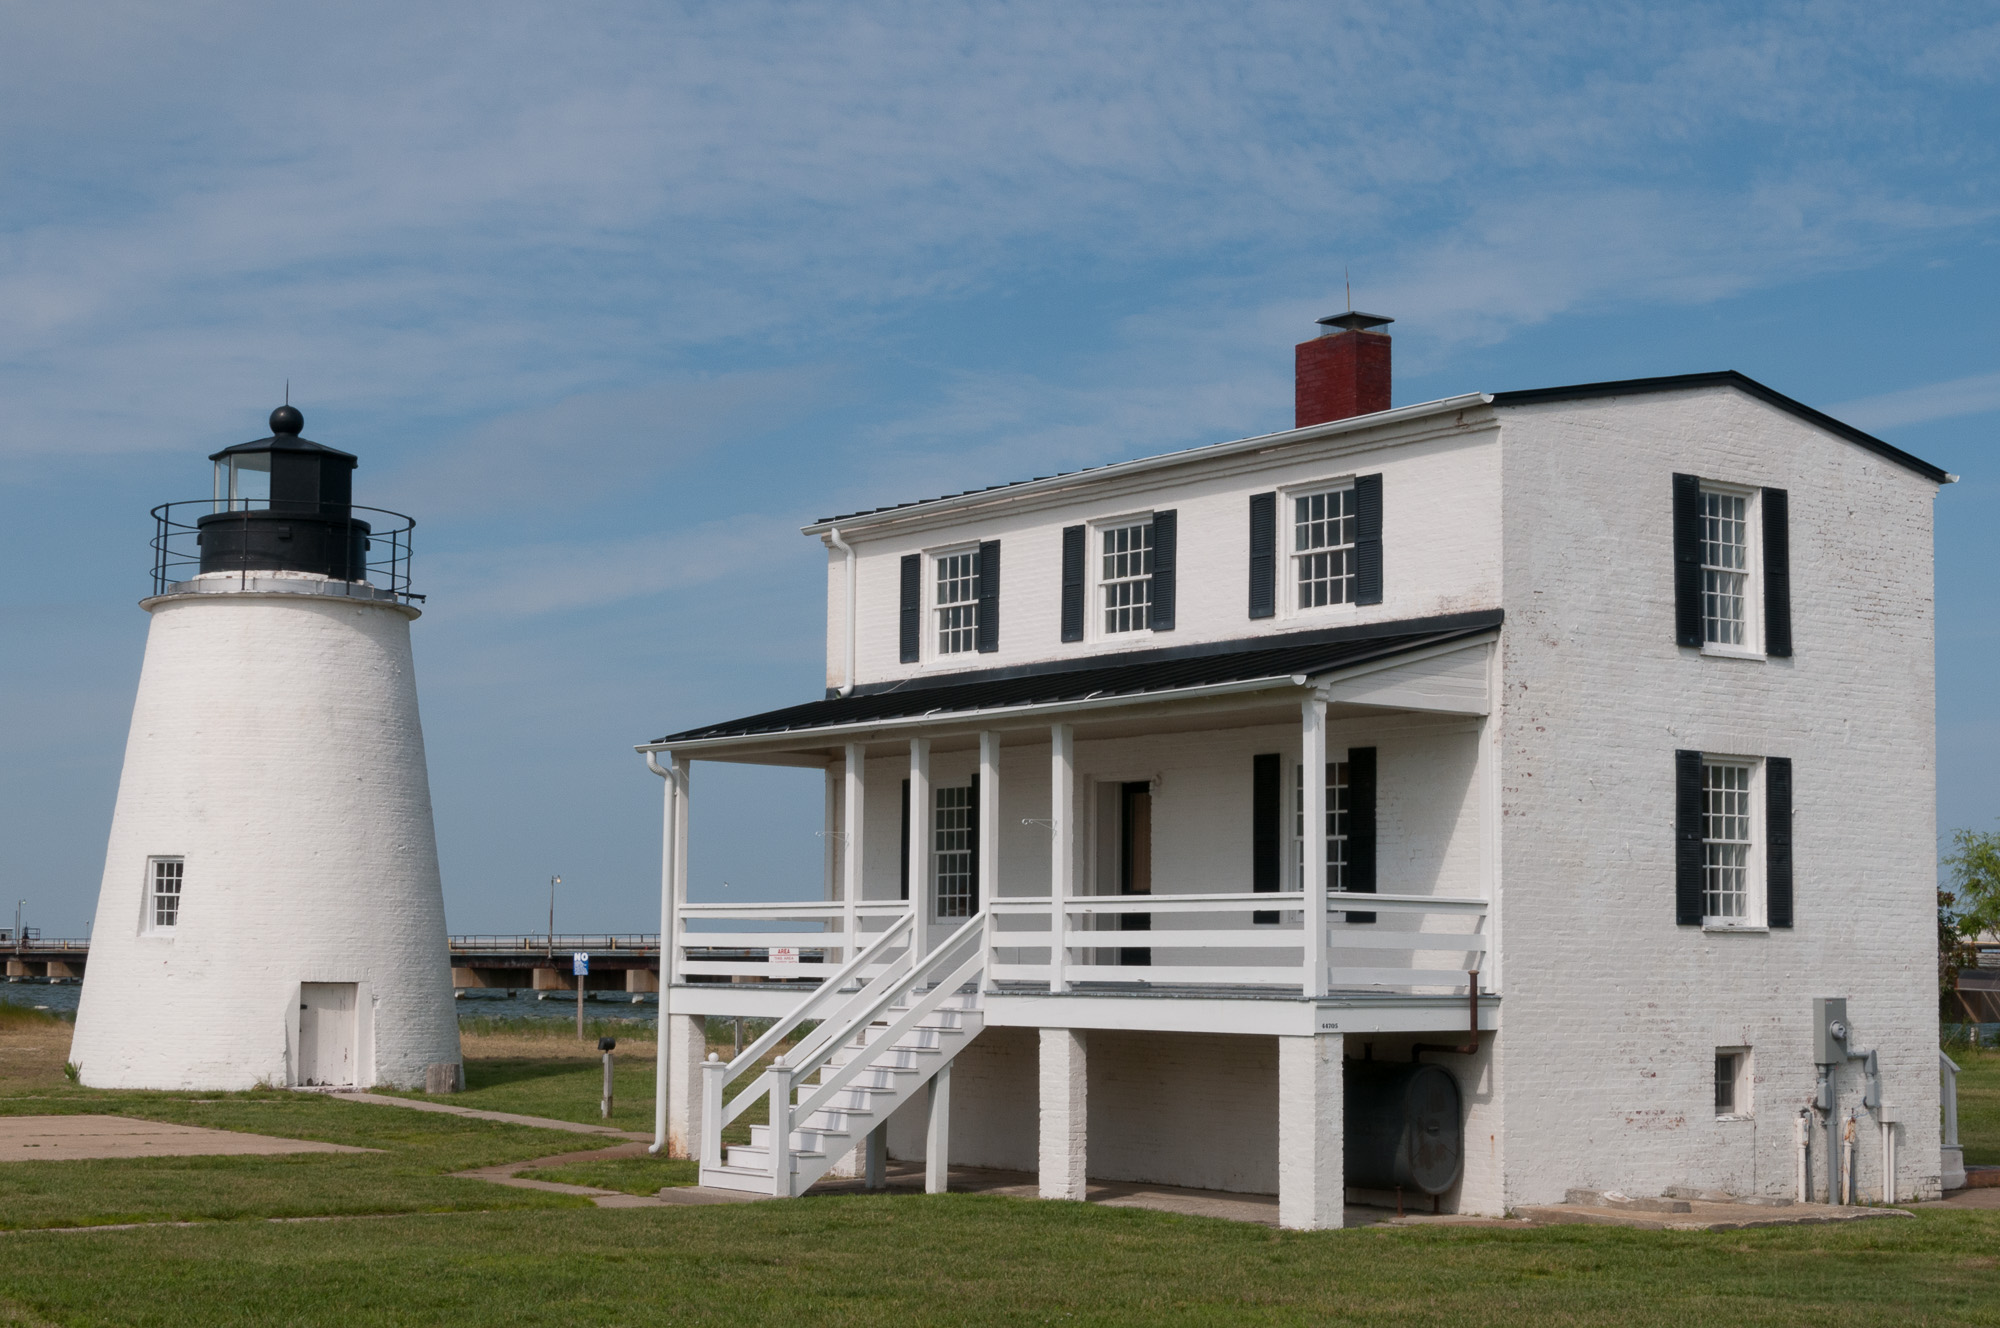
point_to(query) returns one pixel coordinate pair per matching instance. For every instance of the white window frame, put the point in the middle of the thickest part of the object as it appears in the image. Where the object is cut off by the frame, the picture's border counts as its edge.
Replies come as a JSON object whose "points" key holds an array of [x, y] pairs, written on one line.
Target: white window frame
{"points": [[1288, 553], [1753, 574], [1295, 813], [1756, 897], [930, 651], [1742, 1094], [149, 923], [1095, 581]]}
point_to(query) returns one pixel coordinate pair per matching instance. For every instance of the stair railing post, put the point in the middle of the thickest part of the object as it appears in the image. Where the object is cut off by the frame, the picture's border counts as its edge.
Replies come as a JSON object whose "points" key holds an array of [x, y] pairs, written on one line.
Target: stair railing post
{"points": [[780, 1151], [713, 1072]]}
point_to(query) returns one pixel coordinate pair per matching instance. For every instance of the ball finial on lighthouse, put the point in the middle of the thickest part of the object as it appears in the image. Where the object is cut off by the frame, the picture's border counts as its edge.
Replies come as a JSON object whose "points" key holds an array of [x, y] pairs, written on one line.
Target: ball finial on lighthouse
{"points": [[271, 910]]}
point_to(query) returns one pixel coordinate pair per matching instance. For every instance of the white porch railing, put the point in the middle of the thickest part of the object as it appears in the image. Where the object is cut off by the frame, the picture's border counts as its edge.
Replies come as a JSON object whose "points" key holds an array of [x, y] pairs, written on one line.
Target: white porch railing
{"points": [[809, 931], [1417, 943]]}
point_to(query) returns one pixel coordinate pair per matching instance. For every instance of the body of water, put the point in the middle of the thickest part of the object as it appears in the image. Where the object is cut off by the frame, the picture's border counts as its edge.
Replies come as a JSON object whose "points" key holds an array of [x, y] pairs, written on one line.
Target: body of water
{"points": [[61, 998]]}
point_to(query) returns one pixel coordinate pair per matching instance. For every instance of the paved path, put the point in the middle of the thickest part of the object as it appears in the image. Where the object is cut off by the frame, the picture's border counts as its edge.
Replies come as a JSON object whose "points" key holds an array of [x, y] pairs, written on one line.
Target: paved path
{"points": [[66, 1138], [504, 1117]]}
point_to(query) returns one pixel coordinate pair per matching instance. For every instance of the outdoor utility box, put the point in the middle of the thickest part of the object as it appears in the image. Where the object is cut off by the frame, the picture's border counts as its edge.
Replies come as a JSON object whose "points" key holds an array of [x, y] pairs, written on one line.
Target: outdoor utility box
{"points": [[1828, 1011]]}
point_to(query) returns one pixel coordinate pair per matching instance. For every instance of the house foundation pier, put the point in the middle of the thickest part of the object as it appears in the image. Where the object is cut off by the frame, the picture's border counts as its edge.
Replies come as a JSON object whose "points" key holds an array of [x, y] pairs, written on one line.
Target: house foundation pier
{"points": [[1064, 1131], [1310, 1184]]}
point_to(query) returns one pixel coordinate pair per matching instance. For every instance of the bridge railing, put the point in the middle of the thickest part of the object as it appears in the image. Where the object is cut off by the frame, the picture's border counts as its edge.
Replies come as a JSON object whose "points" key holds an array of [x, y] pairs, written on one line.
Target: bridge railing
{"points": [[561, 943]]}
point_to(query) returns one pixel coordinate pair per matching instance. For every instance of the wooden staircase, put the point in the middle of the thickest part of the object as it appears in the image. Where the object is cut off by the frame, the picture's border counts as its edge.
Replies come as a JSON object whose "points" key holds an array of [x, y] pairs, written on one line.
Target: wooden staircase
{"points": [[888, 1022]]}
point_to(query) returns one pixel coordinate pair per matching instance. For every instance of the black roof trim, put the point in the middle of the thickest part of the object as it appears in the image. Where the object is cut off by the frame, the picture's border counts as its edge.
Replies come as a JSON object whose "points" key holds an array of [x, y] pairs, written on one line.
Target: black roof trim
{"points": [[1244, 659], [1743, 383]]}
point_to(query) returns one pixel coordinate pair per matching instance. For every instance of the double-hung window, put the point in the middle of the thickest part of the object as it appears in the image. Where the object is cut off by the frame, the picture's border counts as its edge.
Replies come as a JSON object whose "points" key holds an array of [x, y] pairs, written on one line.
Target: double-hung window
{"points": [[163, 893], [1323, 547], [1125, 579], [957, 602], [1725, 568], [954, 861], [1728, 896]]}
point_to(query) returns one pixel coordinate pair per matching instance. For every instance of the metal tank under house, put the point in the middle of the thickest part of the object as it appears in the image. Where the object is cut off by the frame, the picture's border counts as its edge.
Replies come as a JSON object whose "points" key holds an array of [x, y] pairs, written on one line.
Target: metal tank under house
{"points": [[271, 911]]}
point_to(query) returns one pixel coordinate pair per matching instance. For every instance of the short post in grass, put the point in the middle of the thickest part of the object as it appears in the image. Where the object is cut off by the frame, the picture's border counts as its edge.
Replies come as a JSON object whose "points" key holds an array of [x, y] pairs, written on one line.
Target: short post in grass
{"points": [[579, 967], [606, 1045]]}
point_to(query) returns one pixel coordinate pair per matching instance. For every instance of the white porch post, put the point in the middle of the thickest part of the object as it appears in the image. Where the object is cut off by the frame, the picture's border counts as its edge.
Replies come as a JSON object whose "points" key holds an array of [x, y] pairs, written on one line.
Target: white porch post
{"points": [[921, 826], [937, 1133], [1311, 1193], [684, 1045], [1065, 1114], [1062, 848], [989, 842], [1313, 763], [850, 845], [670, 898]]}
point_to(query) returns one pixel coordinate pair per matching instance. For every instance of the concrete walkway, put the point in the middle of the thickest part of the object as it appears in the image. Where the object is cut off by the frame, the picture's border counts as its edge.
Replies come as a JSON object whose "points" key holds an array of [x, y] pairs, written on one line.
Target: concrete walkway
{"points": [[503, 1117], [68, 1138]]}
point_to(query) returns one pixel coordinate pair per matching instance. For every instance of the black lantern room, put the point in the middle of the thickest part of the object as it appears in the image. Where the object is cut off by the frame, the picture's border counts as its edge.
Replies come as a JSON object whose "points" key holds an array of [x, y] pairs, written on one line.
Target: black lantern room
{"points": [[284, 503]]}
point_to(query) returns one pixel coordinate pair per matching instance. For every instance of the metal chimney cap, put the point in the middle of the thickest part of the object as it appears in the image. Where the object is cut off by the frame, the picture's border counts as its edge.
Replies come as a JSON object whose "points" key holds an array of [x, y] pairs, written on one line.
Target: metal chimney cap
{"points": [[1351, 321]]}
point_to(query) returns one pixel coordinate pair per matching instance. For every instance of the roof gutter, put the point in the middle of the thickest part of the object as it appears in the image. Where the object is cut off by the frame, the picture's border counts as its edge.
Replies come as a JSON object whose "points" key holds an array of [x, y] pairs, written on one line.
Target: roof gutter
{"points": [[1057, 483]]}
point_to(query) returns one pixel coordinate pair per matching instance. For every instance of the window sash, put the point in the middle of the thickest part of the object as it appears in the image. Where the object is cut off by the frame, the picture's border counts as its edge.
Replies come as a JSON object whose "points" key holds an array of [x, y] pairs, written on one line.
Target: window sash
{"points": [[1323, 547], [168, 874], [1728, 1066], [1725, 567], [951, 852], [957, 603], [1336, 824], [1126, 577], [1726, 841]]}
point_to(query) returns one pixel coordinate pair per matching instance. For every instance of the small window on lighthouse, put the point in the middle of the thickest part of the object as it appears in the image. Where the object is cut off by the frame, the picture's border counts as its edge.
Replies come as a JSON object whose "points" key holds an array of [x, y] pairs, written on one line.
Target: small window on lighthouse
{"points": [[165, 911], [243, 482]]}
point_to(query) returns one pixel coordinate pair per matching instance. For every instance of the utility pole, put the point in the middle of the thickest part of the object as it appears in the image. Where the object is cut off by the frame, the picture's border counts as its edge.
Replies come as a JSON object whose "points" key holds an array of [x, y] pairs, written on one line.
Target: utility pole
{"points": [[554, 881]]}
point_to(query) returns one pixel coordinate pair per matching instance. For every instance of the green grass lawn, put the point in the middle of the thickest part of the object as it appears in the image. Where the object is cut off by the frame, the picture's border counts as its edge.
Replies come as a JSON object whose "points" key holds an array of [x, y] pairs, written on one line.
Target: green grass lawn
{"points": [[960, 1259], [632, 1175], [1979, 1105]]}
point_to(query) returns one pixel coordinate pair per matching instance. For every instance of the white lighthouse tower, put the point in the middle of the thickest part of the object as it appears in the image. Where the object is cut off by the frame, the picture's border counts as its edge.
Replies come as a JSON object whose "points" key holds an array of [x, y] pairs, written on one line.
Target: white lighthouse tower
{"points": [[271, 911]]}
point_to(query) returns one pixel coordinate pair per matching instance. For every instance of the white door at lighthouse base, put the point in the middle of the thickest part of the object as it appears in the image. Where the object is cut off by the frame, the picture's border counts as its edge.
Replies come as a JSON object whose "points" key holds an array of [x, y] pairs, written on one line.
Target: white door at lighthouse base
{"points": [[326, 1033]]}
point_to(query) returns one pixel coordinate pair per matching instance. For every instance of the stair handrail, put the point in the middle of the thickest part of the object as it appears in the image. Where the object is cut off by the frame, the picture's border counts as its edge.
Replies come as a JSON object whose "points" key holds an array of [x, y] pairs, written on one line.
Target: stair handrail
{"points": [[801, 1012], [861, 1013], [920, 1010], [890, 976]]}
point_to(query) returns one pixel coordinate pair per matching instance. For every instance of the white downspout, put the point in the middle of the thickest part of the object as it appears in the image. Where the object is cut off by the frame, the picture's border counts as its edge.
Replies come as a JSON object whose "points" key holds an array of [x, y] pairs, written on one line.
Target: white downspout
{"points": [[847, 675]]}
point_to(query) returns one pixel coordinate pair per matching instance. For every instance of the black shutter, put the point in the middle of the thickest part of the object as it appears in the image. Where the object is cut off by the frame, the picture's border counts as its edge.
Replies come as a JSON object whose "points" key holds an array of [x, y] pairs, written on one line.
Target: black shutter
{"points": [[913, 600], [1267, 829], [1687, 838], [1263, 555], [1687, 561], [989, 597], [1165, 537], [906, 839], [1368, 541], [1360, 826], [1072, 583], [1778, 839], [1777, 574], [972, 837]]}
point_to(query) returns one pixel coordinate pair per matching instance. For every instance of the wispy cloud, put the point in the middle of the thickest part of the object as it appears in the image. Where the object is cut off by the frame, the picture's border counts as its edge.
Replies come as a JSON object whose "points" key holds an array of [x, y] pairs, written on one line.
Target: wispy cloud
{"points": [[1959, 397]]}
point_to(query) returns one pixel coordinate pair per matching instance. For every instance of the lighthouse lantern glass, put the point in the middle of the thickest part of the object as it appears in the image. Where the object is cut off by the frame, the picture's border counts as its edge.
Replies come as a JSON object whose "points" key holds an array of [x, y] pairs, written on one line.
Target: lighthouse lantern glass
{"points": [[243, 481]]}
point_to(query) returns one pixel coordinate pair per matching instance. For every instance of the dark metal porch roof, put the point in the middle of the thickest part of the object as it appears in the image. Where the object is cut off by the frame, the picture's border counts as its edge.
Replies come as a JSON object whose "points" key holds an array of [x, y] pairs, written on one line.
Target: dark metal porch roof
{"points": [[1126, 674]]}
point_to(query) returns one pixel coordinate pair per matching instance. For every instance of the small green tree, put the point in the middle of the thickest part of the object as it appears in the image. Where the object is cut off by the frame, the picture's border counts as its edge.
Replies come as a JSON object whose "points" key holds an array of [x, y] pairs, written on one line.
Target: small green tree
{"points": [[1970, 907]]}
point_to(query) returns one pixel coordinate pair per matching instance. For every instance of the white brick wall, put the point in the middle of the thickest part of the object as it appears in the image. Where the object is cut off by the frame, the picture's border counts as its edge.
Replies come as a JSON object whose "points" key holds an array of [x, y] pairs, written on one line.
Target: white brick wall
{"points": [[275, 745], [1440, 536], [1612, 1012]]}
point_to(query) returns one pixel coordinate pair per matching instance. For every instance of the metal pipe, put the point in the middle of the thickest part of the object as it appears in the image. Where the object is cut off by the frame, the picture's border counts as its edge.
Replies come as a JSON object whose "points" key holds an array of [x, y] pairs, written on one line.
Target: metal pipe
{"points": [[1802, 1137], [847, 673], [1471, 1044], [1847, 1160], [1823, 1105]]}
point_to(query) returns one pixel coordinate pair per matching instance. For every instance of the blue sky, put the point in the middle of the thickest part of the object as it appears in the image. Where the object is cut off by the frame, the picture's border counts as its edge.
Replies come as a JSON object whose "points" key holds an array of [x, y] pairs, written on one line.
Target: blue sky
{"points": [[615, 297]]}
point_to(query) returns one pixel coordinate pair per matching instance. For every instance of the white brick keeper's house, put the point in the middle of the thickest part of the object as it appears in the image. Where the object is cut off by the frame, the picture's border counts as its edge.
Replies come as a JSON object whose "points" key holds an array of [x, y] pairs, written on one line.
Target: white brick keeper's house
{"points": [[1609, 710]]}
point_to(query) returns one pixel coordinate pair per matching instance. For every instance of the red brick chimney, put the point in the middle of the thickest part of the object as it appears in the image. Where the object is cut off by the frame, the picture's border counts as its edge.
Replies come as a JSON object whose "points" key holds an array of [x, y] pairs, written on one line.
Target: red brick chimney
{"points": [[1342, 372]]}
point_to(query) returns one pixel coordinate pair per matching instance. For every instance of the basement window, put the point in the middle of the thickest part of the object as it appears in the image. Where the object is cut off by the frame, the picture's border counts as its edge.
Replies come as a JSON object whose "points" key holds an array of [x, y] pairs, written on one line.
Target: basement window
{"points": [[163, 901], [1732, 1082]]}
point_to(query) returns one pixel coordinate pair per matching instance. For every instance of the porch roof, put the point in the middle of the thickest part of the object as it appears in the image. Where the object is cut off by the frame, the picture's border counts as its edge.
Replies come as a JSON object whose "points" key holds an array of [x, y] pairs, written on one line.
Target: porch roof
{"points": [[1173, 668]]}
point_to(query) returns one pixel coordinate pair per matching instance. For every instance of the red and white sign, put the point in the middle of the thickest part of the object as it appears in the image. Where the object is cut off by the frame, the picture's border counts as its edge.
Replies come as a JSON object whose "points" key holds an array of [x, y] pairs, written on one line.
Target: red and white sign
{"points": [[784, 954]]}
